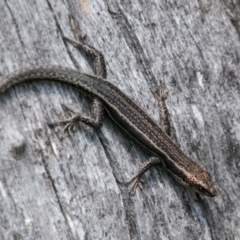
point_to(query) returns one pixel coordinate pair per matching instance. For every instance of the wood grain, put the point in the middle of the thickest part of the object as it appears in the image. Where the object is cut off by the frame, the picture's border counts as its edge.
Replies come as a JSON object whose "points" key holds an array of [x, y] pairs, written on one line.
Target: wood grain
{"points": [[73, 187]]}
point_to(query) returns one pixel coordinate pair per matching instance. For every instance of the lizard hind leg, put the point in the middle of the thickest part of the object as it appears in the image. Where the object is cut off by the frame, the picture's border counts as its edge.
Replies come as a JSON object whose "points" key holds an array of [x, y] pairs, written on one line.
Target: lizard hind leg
{"points": [[97, 110], [95, 119], [99, 65]]}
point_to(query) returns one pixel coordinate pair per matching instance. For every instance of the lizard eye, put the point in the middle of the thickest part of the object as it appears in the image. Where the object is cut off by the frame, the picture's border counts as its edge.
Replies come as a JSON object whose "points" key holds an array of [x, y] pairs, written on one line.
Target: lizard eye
{"points": [[184, 182], [200, 189]]}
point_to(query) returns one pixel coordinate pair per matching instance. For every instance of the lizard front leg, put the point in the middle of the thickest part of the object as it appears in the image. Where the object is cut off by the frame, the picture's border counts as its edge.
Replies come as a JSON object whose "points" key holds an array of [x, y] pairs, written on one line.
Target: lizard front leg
{"points": [[161, 95]]}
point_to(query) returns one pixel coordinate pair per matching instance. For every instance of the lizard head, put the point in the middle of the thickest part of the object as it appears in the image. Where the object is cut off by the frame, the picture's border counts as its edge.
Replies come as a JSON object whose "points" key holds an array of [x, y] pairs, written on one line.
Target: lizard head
{"points": [[197, 179], [201, 182]]}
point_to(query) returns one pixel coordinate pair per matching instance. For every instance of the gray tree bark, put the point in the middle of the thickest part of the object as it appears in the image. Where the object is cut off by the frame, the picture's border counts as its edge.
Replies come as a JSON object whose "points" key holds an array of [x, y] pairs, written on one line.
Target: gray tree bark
{"points": [[74, 187]]}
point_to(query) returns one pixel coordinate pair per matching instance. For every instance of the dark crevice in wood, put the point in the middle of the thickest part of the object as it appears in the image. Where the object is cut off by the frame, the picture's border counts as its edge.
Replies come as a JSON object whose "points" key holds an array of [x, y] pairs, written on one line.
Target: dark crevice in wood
{"points": [[127, 198], [16, 27], [232, 9], [61, 207], [135, 46]]}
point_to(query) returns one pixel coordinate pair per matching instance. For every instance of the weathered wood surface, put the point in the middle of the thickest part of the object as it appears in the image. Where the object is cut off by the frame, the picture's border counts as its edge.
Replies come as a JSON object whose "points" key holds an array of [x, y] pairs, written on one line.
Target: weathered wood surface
{"points": [[73, 188]]}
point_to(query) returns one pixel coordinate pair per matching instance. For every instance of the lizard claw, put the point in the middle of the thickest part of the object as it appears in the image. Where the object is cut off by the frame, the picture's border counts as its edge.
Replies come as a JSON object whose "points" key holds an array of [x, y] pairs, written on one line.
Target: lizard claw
{"points": [[163, 93], [70, 127], [70, 122], [137, 182]]}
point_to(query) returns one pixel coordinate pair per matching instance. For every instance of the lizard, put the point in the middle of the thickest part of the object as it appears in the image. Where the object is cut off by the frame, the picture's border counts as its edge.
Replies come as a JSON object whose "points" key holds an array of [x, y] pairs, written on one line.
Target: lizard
{"points": [[126, 113]]}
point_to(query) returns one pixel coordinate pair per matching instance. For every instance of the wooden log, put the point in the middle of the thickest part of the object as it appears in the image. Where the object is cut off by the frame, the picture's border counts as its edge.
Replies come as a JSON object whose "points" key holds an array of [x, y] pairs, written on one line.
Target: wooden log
{"points": [[73, 187]]}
